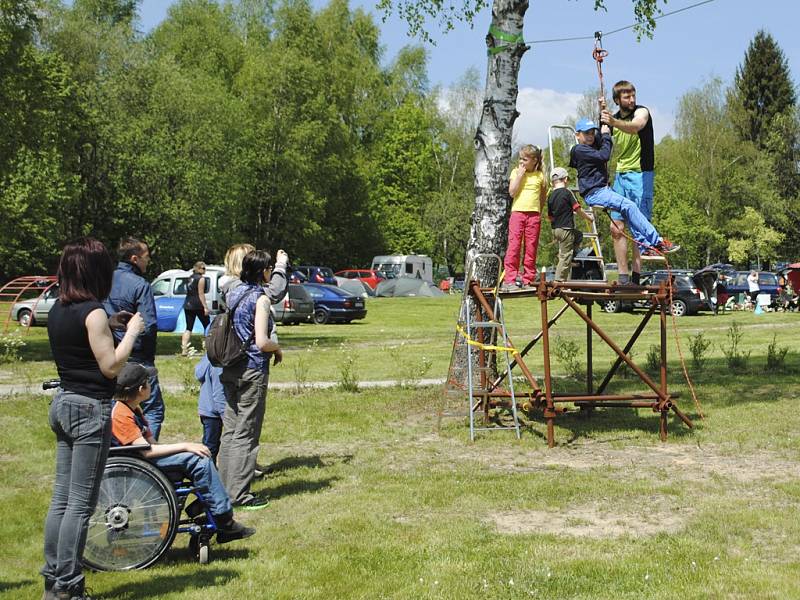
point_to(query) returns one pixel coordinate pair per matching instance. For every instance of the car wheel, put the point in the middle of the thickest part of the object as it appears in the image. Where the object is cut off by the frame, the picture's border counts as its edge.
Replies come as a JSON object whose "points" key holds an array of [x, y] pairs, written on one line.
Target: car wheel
{"points": [[612, 306], [321, 316], [25, 318], [678, 308]]}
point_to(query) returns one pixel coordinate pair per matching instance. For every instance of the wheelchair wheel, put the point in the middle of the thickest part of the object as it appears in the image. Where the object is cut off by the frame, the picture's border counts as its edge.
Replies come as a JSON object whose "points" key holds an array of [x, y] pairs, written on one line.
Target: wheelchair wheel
{"points": [[136, 517]]}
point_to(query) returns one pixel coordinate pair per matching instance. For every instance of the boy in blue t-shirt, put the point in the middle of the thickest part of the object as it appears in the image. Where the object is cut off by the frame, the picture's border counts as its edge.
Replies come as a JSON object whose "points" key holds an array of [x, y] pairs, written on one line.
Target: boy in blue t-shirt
{"points": [[210, 404], [589, 156]]}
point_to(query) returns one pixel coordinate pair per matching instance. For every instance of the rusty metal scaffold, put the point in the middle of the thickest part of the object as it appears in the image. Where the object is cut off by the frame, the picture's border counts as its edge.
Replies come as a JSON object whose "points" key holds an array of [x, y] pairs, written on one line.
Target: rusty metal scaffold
{"points": [[579, 296]]}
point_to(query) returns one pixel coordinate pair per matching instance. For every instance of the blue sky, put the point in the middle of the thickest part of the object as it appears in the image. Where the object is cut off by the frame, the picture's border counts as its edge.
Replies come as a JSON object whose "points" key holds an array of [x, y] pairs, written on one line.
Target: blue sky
{"points": [[687, 49]]}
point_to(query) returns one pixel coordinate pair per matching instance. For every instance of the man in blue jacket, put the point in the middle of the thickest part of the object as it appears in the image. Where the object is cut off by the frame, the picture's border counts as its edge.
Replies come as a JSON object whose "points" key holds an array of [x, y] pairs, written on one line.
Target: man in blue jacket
{"points": [[131, 292], [589, 157]]}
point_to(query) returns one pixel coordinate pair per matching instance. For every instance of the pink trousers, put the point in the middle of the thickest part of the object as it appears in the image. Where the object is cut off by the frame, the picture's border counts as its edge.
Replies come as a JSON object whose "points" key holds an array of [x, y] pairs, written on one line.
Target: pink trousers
{"points": [[523, 225]]}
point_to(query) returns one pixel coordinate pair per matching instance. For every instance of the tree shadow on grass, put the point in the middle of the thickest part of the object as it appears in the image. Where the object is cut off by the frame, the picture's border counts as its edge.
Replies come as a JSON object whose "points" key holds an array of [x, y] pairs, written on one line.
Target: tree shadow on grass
{"points": [[308, 462], [300, 486], [153, 586]]}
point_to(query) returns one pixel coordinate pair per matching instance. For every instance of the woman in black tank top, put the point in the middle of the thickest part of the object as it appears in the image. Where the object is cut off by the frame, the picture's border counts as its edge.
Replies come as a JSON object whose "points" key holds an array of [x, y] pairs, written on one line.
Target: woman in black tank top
{"points": [[194, 307], [87, 363]]}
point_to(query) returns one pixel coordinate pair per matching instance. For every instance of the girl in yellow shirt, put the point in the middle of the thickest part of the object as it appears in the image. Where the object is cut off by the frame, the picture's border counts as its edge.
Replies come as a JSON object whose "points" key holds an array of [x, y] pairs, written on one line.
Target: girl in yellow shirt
{"points": [[528, 189]]}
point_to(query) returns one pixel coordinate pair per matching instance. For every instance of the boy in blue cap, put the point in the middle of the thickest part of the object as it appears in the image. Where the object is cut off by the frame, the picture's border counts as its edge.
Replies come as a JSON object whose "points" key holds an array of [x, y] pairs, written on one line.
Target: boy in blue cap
{"points": [[589, 157]]}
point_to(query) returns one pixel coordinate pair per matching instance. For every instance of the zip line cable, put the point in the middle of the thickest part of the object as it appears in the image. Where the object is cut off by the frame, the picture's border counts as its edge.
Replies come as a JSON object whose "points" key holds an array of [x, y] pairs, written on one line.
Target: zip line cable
{"points": [[591, 37]]}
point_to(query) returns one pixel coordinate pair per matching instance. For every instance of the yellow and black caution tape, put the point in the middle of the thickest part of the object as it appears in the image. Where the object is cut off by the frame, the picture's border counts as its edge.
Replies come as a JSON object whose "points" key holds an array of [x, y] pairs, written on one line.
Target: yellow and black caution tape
{"points": [[482, 346]]}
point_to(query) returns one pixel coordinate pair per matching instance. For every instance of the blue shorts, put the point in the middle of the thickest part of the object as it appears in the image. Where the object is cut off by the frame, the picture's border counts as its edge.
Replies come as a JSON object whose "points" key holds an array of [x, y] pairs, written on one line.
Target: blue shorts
{"points": [[636, 186]]}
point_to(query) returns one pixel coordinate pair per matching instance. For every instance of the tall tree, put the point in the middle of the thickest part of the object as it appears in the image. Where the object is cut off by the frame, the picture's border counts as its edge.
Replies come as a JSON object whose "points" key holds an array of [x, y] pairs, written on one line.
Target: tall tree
{"points": [[762, 89], [763, 105]]}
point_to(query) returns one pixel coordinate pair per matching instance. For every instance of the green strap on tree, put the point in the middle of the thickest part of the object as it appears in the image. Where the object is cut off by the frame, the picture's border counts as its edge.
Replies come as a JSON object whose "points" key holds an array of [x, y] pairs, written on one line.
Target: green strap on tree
{"points": [[503, 36]]}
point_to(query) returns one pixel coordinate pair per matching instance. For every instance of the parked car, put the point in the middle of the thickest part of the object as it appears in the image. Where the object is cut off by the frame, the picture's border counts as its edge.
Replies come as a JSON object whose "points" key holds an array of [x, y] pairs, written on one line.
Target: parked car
{"points": [[767, 283], [296, 307], [34, 310], [334, 304], [688, 296], [169, 290], [370, 277], [315, 275]]}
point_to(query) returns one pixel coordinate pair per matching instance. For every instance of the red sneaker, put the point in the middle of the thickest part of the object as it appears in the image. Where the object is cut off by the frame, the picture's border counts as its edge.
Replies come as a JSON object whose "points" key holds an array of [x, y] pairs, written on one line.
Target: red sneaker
{"points": [[667, 247]]}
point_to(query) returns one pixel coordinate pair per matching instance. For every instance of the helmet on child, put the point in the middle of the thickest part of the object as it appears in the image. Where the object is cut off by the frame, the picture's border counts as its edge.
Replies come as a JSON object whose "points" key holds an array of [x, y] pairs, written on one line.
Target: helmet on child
{"points": [[585, 125]]}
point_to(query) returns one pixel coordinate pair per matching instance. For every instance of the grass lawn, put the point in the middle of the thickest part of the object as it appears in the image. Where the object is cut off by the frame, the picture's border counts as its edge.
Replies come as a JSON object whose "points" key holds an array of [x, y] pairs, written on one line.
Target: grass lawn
{"points": [[370, 499]]}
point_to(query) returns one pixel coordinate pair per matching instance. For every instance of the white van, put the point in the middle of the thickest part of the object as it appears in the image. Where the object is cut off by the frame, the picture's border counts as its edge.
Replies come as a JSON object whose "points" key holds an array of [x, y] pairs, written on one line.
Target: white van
{"points": [[169, 290], [405, 265]]}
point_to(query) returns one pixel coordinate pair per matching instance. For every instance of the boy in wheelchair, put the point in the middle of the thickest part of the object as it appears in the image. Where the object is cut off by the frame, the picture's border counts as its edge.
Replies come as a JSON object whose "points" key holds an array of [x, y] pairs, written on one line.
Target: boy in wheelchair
{"points": [[130, 427]]}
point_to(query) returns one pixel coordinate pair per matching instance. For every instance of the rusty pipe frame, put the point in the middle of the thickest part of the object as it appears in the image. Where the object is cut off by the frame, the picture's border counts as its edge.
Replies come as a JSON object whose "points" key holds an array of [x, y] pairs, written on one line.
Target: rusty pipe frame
{"points": [[642, 375], [528, 347]]}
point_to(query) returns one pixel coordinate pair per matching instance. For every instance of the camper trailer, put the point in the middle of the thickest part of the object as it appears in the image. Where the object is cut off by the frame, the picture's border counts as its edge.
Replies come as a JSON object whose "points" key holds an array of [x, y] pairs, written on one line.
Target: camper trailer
{"points": [[404, 265]]}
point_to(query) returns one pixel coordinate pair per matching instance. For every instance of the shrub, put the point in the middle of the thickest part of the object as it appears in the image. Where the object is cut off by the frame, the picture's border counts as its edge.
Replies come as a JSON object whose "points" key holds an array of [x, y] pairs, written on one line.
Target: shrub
{"points": [[566, 351], [776, 357], [348, 379], [698, 346], [653, 358], [734, 355], [10, 346]]}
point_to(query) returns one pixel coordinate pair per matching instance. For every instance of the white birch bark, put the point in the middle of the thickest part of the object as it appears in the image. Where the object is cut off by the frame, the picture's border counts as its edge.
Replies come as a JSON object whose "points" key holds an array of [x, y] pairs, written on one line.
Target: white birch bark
{"points": [[489, 231]]}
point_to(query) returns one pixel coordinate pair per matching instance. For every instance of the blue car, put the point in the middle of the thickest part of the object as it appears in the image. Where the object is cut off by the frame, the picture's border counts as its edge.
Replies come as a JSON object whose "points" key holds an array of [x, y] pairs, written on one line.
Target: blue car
{"points": [[767, 283], [333, 304]]}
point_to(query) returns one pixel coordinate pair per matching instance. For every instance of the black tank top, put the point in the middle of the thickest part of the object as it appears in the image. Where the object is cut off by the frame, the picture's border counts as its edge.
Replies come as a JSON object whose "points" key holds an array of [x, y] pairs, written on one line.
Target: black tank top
{"points": [[69, 343], [192, 301], [647, 160]]}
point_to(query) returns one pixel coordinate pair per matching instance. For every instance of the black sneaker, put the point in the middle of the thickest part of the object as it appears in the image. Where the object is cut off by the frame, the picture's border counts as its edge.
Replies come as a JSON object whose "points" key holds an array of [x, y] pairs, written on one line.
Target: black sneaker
{"points": [[252, 503], [233, 531]]}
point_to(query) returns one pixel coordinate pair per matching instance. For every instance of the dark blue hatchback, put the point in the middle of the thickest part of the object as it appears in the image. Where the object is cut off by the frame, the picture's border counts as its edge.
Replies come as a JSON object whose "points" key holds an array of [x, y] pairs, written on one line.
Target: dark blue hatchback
{"points": [[333, 304]]}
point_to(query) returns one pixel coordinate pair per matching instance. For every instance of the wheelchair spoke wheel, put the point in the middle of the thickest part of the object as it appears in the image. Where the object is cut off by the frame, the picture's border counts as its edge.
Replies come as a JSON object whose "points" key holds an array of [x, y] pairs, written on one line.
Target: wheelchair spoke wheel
{"points": [[136, 517]]}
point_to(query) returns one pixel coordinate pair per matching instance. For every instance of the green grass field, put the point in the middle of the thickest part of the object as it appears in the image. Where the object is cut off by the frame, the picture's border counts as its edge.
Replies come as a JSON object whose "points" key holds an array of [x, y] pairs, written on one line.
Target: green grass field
{"points": [[371, 499]]}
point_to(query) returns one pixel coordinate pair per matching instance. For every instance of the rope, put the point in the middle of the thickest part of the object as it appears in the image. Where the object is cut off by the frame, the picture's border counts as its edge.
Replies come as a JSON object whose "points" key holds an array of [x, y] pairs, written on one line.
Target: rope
{"points": [[674, 325], [599, 54]]}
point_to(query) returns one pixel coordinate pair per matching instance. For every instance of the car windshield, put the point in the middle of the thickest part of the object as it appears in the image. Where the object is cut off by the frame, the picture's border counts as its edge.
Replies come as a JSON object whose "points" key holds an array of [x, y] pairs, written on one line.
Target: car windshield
{"points": [[390, 270], [325, 272]]}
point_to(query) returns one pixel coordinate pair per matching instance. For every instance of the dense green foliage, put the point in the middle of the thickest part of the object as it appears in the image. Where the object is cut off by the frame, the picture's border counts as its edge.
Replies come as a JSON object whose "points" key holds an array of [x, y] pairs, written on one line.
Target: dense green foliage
{"points": [[283, 125], [263, 121], [727, 187]]}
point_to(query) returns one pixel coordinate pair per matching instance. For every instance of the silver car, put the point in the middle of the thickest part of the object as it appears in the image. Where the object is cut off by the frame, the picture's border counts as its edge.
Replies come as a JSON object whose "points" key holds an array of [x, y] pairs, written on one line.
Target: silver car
{"points": [[34, 311]]}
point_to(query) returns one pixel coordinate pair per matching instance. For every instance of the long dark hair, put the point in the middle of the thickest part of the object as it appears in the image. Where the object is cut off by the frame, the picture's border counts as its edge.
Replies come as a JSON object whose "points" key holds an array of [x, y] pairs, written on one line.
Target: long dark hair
{"points": [[253, 265], [85, 270]]}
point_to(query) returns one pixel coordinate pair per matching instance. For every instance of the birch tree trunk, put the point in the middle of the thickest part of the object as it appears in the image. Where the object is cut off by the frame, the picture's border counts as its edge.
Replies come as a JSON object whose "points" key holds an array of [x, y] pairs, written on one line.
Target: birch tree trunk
{"points": [[489, 230]]}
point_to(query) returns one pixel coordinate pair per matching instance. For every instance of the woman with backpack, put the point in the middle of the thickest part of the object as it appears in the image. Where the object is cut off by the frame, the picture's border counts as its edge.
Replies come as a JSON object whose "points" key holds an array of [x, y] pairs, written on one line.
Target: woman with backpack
{"points": [[245, 383], [195, 307]]}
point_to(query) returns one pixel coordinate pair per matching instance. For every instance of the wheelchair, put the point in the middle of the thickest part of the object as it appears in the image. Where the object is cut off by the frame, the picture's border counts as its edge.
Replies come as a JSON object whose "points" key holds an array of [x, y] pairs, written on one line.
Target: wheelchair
{"points": [[139, 513]]}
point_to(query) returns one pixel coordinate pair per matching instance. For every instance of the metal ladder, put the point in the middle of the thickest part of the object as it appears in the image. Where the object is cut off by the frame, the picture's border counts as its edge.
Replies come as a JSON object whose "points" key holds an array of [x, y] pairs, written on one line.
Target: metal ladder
{"points": [[494, 340], [590, 235]]}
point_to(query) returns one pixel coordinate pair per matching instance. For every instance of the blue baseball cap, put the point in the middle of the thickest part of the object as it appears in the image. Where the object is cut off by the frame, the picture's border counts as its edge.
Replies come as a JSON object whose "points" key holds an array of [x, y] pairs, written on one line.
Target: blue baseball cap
{"points": [[585, 125]]}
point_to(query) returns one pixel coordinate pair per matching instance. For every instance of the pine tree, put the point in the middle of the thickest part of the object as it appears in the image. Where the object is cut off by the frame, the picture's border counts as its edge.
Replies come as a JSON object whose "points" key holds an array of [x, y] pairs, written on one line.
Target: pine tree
{"points": [[762, 89]]}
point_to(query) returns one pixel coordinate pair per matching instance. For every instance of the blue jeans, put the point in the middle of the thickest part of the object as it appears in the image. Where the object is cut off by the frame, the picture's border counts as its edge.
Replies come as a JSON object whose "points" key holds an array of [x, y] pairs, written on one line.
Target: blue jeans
{"points": [[83, 435], [636, 186], [153, 407], [212, 432], [203, 473], [641, 229]]}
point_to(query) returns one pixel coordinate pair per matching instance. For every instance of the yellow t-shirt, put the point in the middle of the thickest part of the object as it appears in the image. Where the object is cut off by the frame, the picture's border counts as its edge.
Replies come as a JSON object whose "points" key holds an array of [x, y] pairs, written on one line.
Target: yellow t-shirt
{"points": [[528, 197]]}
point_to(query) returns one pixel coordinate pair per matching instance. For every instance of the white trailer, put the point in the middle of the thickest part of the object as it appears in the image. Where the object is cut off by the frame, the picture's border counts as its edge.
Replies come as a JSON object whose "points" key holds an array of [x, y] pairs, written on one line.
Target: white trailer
{"points": [[405, 265]]}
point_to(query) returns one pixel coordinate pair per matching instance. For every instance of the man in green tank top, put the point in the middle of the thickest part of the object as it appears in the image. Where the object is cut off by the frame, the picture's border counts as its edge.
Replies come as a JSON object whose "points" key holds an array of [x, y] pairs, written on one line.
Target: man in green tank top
{"points": [[632, 128]]}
